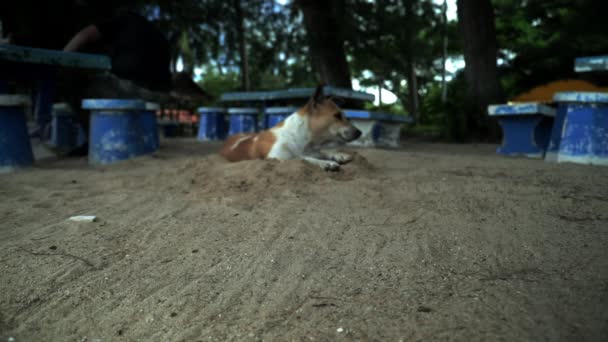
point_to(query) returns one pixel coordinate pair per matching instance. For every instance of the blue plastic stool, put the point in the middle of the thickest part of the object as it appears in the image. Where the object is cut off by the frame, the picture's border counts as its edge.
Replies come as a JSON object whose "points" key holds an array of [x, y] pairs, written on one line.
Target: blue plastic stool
{"points": [[149, 127], [526, 128], [212, 124], [15, 146], [116, 132], [274, 115], [583, 134], [243, 120]]}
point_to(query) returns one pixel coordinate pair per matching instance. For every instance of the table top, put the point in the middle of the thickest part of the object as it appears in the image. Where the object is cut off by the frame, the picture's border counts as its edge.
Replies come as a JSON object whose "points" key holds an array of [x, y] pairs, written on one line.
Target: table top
{"points": [[294, 93], [22, 54], [587, 64], [113, 104], [369, 115], [581, 96], [531, 108]]}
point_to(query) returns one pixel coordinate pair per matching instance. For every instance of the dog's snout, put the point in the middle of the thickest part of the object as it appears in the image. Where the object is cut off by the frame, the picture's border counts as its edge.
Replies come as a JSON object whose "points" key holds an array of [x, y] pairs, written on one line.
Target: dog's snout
{"points": [[352, 133]]}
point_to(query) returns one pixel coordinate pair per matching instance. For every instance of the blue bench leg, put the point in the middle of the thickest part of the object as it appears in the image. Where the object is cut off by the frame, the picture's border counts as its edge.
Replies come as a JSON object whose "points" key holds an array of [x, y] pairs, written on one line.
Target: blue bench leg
{"points": [[211, 126], [584, 137], [114, 137], [524, 136], [370, 131], [243, 124], [44, 106], [390, 134], [556, 133]]}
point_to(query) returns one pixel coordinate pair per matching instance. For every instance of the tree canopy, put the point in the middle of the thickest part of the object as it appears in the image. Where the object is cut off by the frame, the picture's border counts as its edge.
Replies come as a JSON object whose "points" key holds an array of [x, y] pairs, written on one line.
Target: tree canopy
{"points": [[399, 45]]}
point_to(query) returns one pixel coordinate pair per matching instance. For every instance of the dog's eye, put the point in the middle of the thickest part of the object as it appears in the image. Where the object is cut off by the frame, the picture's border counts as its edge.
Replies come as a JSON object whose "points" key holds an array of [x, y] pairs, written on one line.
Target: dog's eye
{"points": [[338, 116]]}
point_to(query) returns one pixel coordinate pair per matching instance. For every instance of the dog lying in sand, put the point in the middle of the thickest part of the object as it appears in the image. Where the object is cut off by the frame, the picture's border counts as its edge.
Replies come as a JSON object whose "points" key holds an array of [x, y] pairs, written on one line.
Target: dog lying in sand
{"points": [[301, 135]]}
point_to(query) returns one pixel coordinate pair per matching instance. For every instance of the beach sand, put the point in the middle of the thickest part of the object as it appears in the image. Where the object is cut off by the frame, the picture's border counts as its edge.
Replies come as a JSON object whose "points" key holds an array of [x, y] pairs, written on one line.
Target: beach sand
{"points": [[428, 242]]}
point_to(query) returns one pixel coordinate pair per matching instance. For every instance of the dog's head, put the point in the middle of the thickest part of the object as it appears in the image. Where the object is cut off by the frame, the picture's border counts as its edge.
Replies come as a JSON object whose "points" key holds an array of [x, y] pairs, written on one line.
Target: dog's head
{"points": [[327, 122]]}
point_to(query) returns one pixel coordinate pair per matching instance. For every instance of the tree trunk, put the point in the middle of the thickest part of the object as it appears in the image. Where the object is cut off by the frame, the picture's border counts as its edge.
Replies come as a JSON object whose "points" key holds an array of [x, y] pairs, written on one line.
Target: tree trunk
{"points": [[323, 27], [476, 21], [242, 45], [444, 54], [380, 84], [412, 86], [409, 31]]}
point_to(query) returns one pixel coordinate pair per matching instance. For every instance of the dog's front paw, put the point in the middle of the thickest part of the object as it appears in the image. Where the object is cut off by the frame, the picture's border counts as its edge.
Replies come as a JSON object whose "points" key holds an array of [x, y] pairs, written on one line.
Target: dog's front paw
{"points": [[341, 158], [329, 165]]}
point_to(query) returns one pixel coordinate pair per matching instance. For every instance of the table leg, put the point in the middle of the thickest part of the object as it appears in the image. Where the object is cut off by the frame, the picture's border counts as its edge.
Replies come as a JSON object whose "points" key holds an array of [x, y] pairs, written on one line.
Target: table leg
{"points": [[523, 136], [45, 94]]}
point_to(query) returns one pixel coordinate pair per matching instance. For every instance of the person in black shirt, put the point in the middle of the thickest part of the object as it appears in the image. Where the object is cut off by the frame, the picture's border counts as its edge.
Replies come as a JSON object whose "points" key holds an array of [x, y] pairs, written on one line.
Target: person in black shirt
{"points": [[139, 52]]}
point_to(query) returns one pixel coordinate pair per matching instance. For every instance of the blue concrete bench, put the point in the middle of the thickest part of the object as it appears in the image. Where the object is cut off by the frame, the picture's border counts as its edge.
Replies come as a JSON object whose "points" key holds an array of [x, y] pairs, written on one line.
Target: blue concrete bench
{"points": [[116, 129], [39, 65], [274, 115], [15, 146], [526, 128], [212, 123], [243, 120], [377, 129], [580, 133], [294, 94]]}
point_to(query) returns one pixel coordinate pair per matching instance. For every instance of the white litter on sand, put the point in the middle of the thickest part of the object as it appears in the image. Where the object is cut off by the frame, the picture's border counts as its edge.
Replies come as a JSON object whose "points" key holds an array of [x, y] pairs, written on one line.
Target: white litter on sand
{"points": [[83, 218]]}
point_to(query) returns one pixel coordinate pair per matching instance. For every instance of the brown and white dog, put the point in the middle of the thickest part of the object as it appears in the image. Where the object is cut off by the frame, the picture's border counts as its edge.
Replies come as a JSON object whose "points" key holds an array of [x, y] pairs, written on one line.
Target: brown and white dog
{"points": [[301, 135]]}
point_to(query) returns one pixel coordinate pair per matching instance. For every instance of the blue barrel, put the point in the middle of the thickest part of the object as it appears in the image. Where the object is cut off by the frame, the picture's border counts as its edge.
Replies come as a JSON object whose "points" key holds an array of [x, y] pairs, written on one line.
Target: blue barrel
{"points": [[116, 132], [274, 115], [212, 124], [149, 127], [243, 120], [15, 146], [584, 134], [63, 127]]}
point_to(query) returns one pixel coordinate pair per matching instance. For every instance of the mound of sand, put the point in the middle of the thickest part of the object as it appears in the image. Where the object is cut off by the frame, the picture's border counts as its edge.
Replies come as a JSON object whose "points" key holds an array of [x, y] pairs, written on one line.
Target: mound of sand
{"points": [[545, 92], [249, 182]]}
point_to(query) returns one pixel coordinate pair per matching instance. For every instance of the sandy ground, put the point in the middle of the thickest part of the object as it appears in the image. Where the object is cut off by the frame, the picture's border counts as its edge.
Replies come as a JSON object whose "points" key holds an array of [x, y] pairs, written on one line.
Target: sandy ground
{"points": [[431, 242]]}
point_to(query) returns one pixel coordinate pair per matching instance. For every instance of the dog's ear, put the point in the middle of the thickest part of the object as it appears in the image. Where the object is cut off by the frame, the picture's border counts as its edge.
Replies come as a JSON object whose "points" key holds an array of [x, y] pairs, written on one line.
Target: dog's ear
{"points": [[318, 97], [339, 101]]}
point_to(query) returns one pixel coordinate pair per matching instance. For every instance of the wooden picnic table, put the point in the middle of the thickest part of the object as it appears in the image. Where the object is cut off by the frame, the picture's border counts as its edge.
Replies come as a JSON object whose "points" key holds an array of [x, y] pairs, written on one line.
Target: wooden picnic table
{"points": [[20, 63], [293, 96]]}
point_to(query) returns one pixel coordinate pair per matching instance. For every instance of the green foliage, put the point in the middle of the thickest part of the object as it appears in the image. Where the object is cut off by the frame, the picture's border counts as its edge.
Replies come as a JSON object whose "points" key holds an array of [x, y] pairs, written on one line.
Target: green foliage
{"points": [[447, 119], [545, 38], [216, 84]]}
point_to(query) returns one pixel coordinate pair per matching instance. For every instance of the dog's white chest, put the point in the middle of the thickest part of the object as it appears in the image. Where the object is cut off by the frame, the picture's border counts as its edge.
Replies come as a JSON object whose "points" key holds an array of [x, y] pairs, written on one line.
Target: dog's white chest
{"points": [[293, 138]]}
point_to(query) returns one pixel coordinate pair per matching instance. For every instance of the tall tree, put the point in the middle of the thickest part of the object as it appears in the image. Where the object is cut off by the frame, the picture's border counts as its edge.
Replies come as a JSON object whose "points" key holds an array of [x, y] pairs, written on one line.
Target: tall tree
{"points": [[476, 22], [323, 22], [444, 51], [240, 24], [409, 37]]}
